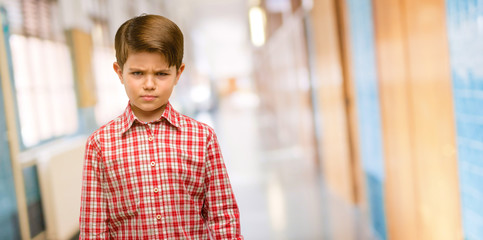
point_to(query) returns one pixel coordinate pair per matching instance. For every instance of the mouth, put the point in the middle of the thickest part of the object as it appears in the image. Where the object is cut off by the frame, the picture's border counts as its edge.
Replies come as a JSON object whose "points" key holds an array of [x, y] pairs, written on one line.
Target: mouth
{"points": [[148, 97]]}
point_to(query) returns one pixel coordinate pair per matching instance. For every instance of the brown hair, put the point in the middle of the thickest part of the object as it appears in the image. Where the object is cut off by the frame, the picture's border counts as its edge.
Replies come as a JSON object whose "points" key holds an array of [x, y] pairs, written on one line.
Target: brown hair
{"points": [[150, 33]]}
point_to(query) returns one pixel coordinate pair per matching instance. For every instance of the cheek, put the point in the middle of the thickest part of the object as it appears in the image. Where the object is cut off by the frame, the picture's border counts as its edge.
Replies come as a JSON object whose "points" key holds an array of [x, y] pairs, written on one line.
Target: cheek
{"points": [[169, 87], [130, 87]]}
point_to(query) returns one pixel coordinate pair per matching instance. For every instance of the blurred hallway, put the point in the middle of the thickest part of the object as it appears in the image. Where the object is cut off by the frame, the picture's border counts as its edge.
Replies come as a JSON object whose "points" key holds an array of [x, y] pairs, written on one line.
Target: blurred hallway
{"points": [[338, 120]]}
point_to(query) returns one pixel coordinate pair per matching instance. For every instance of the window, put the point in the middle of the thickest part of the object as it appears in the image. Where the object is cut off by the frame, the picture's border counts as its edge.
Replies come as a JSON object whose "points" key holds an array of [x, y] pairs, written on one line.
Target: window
{"points": [[42, 69], [44, 87]]}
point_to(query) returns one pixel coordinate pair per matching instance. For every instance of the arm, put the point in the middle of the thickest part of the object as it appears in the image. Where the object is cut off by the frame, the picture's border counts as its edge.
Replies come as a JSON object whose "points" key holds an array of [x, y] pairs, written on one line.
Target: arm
{"points": [[220, 207], [94, 213]]}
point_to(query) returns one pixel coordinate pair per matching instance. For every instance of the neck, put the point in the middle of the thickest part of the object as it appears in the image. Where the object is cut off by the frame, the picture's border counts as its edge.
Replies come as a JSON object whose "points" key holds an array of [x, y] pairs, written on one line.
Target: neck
{"points": [[148, 116]]}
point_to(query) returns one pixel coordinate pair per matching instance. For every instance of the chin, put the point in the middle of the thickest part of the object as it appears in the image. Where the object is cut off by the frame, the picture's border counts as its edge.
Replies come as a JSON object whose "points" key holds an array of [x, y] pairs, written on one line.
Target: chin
{"points": [[152, 106], [148, 107]]}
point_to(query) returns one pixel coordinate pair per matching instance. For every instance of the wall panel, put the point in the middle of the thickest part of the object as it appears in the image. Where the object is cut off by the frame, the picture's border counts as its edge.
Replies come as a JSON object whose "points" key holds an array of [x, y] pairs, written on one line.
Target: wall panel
{"points": [[350, 97], [334, 146], [368, 111], [9, 224], [422, 186], [11, 135], [400, 197], [465, 33], [432, 113]]}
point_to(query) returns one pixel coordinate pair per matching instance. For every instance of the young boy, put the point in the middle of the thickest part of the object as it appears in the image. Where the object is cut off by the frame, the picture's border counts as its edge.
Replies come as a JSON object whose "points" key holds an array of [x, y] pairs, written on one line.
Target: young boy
{"points": [[153, 173]]}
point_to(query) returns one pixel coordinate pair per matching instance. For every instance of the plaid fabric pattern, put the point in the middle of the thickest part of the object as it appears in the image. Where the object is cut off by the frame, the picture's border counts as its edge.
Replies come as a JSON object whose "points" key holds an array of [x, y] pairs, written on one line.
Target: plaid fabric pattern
{"points": [[160, 180]]}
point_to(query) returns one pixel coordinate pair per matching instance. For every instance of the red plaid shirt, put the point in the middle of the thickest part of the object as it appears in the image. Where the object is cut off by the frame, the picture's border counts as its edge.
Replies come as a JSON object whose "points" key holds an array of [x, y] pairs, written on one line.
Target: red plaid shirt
{"points": [[160, 180]]}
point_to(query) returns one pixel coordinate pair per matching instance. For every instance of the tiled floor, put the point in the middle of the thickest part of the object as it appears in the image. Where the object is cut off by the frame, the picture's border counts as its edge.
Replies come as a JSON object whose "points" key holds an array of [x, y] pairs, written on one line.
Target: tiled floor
{"points": [[280, 194]]}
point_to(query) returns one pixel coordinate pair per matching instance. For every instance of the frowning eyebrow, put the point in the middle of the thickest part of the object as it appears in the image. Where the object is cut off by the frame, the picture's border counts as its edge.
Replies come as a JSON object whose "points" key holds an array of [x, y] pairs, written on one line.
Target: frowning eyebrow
{"points": [[133, 69]]}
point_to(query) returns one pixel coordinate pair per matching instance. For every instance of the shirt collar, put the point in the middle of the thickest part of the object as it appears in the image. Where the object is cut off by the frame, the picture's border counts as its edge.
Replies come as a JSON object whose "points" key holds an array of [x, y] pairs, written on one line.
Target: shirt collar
{"points": [[128, 118], [171, 115]]}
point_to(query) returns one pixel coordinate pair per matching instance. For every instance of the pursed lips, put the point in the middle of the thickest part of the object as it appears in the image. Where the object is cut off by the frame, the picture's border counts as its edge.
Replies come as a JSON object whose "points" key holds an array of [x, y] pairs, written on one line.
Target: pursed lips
{"points": [[148, 97]]}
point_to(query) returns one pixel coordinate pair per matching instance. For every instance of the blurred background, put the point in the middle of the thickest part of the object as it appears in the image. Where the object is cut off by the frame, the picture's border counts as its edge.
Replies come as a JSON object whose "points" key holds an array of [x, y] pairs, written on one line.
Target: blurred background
{"points": [[338, 119]]}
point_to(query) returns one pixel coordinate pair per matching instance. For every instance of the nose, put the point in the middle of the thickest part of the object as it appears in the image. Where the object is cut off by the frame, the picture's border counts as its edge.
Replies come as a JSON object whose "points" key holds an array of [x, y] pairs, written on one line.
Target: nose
{"points": [[149, 83]]}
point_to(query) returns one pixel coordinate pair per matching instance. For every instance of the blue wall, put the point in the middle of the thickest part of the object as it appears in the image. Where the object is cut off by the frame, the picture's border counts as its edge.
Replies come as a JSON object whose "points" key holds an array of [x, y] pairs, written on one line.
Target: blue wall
{"points": [[9, 225], [465, 31], [9, 228], [367, 105]]}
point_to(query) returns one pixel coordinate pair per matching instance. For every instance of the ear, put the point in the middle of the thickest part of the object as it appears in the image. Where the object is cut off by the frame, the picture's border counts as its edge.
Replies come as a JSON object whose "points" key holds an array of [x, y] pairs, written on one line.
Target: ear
{"points": [[118, 71], [178, 73]]}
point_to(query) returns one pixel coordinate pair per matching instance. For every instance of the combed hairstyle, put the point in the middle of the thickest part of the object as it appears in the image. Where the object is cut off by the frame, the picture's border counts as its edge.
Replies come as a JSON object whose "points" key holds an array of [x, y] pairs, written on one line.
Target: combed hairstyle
{"points": [[149, 33]]}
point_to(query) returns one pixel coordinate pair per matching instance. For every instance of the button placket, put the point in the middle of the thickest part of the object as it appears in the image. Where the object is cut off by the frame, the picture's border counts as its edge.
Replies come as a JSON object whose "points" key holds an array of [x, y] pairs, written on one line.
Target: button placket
{"points": [[150, 132]]}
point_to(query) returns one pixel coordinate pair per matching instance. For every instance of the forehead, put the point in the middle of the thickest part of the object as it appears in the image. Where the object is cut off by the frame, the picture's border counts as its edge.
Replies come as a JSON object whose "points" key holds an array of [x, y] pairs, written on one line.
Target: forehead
{"points": [[143, 58]]}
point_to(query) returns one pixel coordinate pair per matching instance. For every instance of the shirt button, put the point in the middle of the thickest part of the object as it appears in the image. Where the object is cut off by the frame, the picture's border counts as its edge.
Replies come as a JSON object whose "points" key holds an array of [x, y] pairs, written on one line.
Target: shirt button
{"points": [[153, 163], [158, 217], [155, 190], [150, 138]]}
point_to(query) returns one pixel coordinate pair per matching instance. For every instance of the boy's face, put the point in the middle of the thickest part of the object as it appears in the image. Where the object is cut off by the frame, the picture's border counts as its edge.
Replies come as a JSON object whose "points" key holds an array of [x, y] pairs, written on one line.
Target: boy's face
{"points": [[149, 82]]}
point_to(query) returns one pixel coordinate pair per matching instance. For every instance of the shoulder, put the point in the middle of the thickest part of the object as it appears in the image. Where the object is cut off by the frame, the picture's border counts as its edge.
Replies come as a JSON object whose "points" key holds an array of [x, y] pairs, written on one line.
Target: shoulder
{"points": [[188, 124], [105, 132]]}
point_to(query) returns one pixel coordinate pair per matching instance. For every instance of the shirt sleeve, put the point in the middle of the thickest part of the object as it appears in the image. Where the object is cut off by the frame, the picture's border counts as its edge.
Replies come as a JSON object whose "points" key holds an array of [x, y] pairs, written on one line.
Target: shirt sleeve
{"points": [[220, 207], [94, 212]]}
